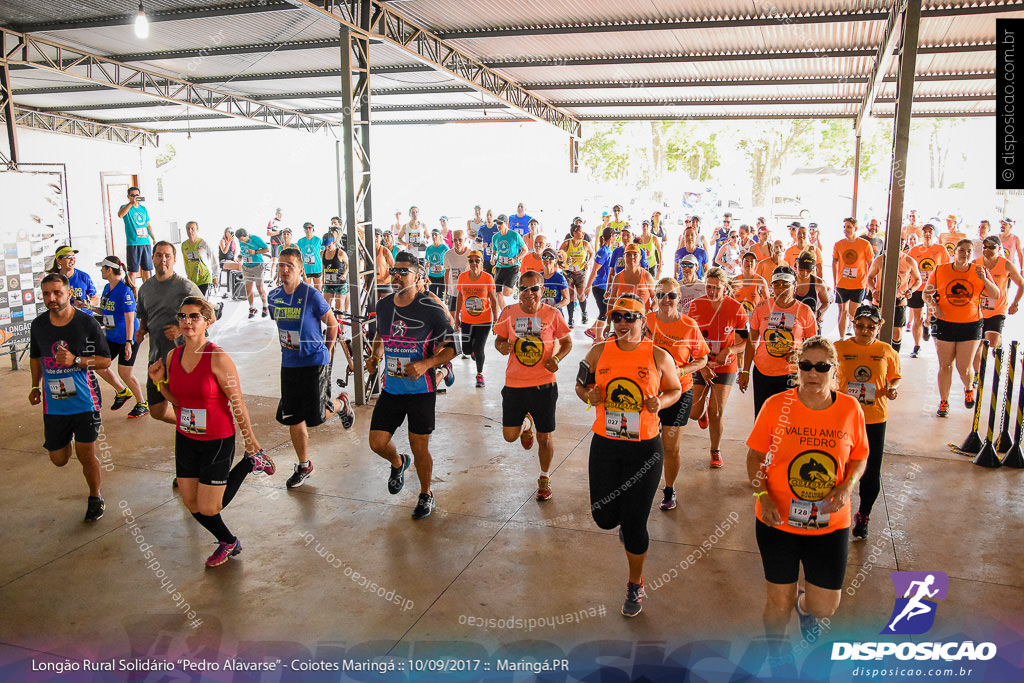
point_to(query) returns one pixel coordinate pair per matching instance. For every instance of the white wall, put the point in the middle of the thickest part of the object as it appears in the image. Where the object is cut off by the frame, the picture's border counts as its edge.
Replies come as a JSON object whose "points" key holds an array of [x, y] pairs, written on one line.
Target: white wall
{"points": [[85, 160]]}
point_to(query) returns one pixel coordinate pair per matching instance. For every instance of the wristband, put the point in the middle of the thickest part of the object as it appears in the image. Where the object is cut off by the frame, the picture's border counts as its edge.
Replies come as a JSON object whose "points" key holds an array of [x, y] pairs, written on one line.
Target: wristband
{"points": [[744, 372], [36, 389], [163, 381], [758, 494], [853, 482]]}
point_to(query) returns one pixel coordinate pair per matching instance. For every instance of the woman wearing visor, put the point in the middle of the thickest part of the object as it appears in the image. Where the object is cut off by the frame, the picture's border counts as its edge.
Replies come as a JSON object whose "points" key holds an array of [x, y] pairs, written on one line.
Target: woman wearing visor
{"points": [[777, 328], [629, 380]]}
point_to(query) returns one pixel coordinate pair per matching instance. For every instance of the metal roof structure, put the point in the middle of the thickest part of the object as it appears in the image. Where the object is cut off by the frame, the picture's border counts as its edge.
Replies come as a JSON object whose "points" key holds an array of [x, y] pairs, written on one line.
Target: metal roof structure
{"points": [[227, 64]]}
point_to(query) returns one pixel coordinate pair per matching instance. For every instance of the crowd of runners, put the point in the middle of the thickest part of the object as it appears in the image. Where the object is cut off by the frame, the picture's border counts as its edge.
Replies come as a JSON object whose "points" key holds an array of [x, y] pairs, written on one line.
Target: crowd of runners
{"points": [[671, 329]]}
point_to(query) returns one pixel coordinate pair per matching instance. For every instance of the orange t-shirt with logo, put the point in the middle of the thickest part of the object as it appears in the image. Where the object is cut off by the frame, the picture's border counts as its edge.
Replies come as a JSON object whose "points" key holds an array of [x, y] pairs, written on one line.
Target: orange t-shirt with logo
{"points": [[719, 328], [948, 241], [1000, 274], [533, 337], [749, 295], [476, 301], [794, 252], [628, 379], [809, 452], [765, 269], [683, 341], [960, 293], [782, 331], [928, 258], [531, 262], [854, 259], [865, 373]]}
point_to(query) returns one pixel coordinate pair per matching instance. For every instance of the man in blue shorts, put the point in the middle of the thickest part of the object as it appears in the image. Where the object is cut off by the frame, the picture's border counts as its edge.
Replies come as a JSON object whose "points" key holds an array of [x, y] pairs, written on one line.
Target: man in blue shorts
{"points": [[507, 250], [138, 235]]}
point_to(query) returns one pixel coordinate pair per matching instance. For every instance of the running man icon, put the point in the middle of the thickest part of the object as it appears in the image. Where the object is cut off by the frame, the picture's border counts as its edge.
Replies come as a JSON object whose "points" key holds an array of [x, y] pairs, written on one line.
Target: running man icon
{"points": [[916, 609]]}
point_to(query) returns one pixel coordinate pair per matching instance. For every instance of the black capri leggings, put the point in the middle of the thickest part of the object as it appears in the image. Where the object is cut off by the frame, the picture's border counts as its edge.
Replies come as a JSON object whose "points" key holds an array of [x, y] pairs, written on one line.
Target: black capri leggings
{"points": [[476, 337], [871, 481], [766, 386], [602, 305], [624, 478]]}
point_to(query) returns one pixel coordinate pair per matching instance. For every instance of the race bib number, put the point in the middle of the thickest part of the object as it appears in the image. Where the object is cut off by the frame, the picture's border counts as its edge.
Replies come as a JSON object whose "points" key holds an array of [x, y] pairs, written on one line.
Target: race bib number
{"points": [[505, 261], [527, 325], [781, 321], [550, 301], [289, 339], [396, 366], [456, 272], [805, 514], [436, 270], [61, 388], [332, 278], [864, 392], [108, 321], [988, 304], [414, 238], [140, 232], [192, 420], [622, 425], [849, 273], [309, 260]]}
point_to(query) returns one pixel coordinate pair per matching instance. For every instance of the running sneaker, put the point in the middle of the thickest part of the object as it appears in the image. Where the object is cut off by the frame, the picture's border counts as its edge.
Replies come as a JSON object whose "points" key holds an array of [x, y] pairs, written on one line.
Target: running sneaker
{"points": [[396, 480], [860, 526], [120, 398], [943, 410], [585, 319], [300, 475], [591, 334], [261, 462], [139, 410], [915, 352], [669, 501], [716, 458], [479, 381], [424, 506], [968, 398], [702, 421], [572, 325], [526, 436], [94, 510], [634, 599], [808, 622], [345, 412], [449, 377], [466, 356], [543, 488], [265, 312], [223, 552], [252, 312]]}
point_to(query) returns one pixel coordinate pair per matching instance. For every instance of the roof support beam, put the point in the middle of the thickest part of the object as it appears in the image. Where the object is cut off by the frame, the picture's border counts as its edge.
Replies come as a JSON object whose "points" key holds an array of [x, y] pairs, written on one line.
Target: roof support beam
{"points": [[883, 60], [320, 111], [426, 48], [698, 23], [742, 82], [57, 58], [766, 101], [156, 16], [85, 128]]}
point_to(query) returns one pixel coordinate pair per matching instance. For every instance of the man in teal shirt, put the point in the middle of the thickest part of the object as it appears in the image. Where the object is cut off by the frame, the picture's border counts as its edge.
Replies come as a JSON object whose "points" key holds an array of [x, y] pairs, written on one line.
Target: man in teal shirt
{"points": [[311, 247], [507, 250], [138, 235], [250, 252]]}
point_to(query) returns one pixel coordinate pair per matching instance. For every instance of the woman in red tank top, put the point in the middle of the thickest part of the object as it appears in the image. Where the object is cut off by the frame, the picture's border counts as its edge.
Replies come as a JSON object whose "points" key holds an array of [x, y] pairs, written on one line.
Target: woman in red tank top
{"points": [[629, 380], [201, 382]]}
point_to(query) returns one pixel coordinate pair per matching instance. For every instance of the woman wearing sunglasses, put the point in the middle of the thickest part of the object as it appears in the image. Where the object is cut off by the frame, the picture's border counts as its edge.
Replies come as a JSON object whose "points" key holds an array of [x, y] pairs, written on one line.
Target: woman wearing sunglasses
{"points": [[679, 335], [632, 279], [201, 382], [477, 301], [723, 322], [869, 370], [807, 450], [777, 328], [957, 289], [630, 380]]}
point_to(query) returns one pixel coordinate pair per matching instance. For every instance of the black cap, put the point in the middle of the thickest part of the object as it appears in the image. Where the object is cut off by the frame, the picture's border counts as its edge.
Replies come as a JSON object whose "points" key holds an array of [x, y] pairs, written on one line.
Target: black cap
{"points": [[868, 311], [805, 260]]}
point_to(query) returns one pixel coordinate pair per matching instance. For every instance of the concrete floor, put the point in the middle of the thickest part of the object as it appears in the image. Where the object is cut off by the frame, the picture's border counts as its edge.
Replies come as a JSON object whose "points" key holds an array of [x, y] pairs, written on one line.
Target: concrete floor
{"points": [[489, 551]]}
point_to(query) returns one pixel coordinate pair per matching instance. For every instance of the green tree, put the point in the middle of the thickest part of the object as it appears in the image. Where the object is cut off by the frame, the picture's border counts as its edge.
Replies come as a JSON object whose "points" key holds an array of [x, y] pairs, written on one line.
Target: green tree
{"points": [[767, 144], [603, 153]]}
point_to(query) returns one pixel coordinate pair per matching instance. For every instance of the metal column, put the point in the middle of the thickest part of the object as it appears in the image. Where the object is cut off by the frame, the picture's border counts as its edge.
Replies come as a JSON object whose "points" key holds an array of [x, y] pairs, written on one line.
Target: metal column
{"points": [[574, 154], [898, 175], [7, 100], [355, 88], [856, 174]]}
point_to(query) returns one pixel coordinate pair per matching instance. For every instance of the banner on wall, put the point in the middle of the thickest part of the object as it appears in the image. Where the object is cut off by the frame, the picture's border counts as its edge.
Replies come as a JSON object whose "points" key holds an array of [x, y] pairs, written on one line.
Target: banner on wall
{"points": [[33, 224]]}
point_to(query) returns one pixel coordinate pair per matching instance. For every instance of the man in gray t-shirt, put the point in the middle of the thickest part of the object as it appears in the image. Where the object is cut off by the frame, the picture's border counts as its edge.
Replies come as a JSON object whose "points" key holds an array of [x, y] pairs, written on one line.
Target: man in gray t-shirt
{"points": [[159, 300]]}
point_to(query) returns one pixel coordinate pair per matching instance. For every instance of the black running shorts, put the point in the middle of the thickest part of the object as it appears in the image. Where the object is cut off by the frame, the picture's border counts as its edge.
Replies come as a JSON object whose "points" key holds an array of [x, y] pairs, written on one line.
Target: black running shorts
{"points": [[392, 410], [677, 414], [117, 352], [916, 299], [305, 395], [58, 430], [844, 295], [725, 379], [990, 324], [208, 461], [506, 276], [822, 555], [956, 332], [540, 402]]}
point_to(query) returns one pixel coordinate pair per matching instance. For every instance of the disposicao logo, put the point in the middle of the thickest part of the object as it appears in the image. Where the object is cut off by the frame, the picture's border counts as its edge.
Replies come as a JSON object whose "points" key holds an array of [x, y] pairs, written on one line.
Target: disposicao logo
{"points": [[914, 612]]}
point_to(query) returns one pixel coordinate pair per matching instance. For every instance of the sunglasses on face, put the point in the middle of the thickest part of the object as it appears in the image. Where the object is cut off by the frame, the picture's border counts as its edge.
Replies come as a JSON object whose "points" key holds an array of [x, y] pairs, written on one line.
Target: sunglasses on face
{"points": [[867, 327], [821, 366], [624, 317], [687, 265], [672, 296], [547, 258], [192, 317], [132, 196], [473, 260], [532, 289], [990, 246], [401, 272]]}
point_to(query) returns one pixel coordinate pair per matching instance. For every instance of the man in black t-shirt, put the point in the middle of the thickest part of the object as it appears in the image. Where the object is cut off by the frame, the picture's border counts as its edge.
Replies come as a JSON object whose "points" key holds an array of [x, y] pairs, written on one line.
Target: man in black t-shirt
{"points": [[414, 336], [65, 346]]}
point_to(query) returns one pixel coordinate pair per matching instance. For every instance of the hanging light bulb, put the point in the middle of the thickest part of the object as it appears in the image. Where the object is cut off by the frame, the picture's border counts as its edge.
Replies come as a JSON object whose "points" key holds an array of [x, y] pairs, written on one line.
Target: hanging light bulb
{"points": [[141, 23]]}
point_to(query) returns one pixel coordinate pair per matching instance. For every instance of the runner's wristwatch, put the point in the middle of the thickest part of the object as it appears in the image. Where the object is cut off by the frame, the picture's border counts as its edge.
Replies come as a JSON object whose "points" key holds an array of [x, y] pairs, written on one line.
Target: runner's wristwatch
{"points": [[77, 360]]}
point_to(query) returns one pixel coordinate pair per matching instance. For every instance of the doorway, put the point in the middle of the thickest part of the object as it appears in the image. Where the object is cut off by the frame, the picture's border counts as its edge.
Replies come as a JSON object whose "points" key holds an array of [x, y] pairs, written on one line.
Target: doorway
{"points": [[115, 193]]}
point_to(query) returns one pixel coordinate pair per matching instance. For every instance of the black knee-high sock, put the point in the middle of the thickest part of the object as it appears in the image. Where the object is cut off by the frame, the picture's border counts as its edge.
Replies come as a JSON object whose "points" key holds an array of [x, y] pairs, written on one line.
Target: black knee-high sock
{"points": [[215, 525], [896, 344], [572, 309], [238, 473], [583, 306]]}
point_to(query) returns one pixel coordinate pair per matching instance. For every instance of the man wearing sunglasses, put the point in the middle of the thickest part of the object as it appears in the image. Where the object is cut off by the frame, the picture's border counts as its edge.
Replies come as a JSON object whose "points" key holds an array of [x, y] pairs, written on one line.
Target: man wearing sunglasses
{"points": [[456, 262], [535, 339], [299, 309], [413, 337], [994, 311], [476, 304], [507, 250], [138, 234], [157, 308]]}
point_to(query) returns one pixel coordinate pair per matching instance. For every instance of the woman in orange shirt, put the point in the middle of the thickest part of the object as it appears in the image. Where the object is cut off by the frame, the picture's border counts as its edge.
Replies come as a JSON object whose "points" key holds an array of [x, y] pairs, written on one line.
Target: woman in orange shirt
{"points": [[723, 323], [476, 304], [630, 380], [632, 279], [679, 335], [807, 451], [749, 288], [956, 289]]}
